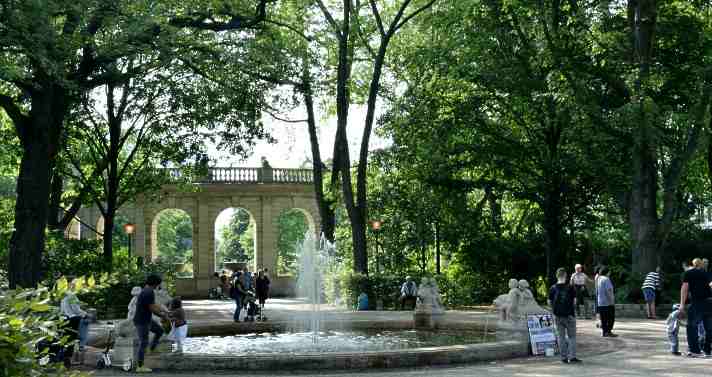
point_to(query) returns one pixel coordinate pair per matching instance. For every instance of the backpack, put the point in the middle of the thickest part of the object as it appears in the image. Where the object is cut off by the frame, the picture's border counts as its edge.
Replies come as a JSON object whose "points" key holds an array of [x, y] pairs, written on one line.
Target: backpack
{"points": [[562, 302]]}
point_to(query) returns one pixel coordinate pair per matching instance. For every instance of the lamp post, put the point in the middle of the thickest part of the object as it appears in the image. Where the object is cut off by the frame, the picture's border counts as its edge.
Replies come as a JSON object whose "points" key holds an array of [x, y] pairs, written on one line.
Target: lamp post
{"points": [[376, 226], [129, 228]]}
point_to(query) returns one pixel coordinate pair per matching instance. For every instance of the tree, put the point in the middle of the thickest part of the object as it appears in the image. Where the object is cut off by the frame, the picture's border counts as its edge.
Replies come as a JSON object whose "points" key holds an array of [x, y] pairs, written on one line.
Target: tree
{"points": [[47, 68], [236, 239], [175, 236], [292, 227], [158, 120], [648, 81], [376, 47]]}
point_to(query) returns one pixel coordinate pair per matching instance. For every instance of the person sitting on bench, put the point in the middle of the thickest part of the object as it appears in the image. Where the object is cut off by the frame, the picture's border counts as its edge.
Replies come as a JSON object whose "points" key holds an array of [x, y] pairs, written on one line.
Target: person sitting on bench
{"points": [[409, 291]]}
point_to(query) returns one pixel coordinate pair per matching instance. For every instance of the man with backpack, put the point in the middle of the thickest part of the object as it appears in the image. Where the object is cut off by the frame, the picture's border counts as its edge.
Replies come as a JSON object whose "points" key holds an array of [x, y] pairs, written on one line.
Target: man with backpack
{"points": [[562, 298]]}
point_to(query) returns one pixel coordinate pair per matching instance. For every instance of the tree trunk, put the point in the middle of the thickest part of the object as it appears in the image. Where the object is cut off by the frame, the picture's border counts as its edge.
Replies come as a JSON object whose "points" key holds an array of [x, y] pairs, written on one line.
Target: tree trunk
{"points": [[437, 247], [552, 231], [54, 224], [33, 188], [112, 179], [326, 211], [643, 206]]}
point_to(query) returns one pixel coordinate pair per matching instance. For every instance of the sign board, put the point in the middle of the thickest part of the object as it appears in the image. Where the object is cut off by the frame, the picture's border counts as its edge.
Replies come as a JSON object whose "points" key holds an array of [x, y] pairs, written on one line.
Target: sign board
{"points": [[541, 333]]}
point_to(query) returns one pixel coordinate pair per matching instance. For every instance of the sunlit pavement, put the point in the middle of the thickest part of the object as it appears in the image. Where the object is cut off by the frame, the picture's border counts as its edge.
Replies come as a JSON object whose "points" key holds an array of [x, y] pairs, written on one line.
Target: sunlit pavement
{"points": [[641, 350]]}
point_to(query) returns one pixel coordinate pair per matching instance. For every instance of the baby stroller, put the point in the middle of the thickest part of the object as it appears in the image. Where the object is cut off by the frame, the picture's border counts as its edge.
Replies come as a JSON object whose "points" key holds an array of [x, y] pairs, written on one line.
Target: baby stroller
{"points": [[105, 359], [253, 309]]}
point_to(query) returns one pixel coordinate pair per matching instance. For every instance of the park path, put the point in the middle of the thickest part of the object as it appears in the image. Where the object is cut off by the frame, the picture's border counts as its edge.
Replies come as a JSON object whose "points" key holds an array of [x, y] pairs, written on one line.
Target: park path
{"points": [[641, 350]]}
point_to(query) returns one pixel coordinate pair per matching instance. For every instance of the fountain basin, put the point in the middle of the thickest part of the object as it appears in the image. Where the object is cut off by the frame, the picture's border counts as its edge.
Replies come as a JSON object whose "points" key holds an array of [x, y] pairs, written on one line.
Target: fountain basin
{"points": [[419, 348], [329, 342], [424, 354], [346, 360]]}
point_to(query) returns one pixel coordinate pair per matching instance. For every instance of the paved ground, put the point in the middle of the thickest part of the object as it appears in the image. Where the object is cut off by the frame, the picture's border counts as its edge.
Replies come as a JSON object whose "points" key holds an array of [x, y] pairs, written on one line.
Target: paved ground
{"points": [[641, 350]]}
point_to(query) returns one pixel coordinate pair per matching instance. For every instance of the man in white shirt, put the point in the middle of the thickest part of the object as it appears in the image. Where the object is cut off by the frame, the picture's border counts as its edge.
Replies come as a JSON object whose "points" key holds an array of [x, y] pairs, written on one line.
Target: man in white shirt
{"points": [[409, 291]]}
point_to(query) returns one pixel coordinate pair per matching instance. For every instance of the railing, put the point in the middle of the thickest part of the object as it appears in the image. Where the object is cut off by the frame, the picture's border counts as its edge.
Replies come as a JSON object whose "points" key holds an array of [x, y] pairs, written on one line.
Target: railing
{"points": [[248, 175], [292, 175]]}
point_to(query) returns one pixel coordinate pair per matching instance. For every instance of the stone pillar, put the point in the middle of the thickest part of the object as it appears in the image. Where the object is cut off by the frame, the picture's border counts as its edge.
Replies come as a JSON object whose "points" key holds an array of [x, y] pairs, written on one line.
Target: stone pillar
{"points": [[268, 236], [203, 246]]}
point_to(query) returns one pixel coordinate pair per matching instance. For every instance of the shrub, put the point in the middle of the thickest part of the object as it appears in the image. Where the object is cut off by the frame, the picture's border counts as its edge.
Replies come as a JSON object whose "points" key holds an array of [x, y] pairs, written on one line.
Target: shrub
{"points": [[456, 289], [26, 319]]}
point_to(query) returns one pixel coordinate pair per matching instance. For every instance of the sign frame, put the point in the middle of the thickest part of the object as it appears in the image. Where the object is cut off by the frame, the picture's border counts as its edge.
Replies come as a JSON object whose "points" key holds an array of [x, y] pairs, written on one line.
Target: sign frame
{"points": [[542, 333]]}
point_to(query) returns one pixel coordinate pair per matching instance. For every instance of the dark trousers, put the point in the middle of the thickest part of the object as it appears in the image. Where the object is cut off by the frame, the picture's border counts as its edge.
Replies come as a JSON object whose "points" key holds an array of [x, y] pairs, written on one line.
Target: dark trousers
{"points": [[608, 318], [581, 296], [71, 331], [407, 301], [142, 332], [699, 313]]}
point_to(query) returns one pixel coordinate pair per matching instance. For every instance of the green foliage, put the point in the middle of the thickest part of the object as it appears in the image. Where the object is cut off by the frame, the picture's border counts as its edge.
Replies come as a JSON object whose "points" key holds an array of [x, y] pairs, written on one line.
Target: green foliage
{"points": [[68, 257], [235, 241], [291, 226], [175, 236], [457, 289], [108, 293], [28, 317]]}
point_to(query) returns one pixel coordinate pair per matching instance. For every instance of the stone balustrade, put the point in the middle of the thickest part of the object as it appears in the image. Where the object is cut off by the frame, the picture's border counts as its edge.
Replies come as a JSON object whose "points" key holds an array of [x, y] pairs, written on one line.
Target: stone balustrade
{"points": [[232, 175]]}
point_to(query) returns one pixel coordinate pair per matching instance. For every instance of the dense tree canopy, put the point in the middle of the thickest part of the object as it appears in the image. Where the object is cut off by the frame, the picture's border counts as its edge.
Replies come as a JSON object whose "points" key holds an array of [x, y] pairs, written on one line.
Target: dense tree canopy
{"points": [[524, 135]]}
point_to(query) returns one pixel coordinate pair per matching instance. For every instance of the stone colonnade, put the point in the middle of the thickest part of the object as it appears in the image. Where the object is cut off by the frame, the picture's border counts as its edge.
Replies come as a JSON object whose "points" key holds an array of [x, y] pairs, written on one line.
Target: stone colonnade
{"points": [[264, 201]]}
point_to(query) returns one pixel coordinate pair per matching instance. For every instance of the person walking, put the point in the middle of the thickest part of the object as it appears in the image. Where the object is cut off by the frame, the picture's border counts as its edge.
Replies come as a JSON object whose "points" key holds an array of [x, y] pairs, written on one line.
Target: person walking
{"points": [[562, 299], [238, 292], [651, 285], [262, 291], [696, 282], [146, 307], [606, 303], [579, 281]]}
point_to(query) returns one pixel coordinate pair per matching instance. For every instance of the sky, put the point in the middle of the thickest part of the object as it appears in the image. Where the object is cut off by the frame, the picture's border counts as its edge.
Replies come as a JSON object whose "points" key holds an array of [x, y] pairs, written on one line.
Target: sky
{"points": [[293, 148]]}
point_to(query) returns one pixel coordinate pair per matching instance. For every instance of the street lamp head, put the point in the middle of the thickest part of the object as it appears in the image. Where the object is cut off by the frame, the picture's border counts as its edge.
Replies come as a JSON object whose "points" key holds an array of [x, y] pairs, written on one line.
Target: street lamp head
{"points": [[129, 228], [376, 225]]}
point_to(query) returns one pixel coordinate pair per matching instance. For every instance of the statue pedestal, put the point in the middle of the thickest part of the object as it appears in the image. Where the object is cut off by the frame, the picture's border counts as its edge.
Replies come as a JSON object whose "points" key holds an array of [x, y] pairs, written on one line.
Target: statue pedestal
{"points": [[423, 320], [123, 352]]}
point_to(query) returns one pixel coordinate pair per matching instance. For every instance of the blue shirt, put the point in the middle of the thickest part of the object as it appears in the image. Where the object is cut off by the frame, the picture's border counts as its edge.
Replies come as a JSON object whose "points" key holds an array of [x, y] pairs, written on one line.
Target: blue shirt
{"points": [[363, 301], [604, 292]]}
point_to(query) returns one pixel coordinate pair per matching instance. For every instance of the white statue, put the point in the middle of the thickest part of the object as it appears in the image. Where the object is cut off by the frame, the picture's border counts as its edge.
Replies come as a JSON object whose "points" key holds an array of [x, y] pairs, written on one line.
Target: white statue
{"points": [[503, 303], [126, 327], [528, 304], [428, 296]]}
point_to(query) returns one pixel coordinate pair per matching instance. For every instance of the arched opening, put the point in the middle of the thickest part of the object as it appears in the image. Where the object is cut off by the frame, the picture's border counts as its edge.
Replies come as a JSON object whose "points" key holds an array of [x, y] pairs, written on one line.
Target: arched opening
{"points": [[73, 231], [235, 239], [292, 225], [173, 232]]}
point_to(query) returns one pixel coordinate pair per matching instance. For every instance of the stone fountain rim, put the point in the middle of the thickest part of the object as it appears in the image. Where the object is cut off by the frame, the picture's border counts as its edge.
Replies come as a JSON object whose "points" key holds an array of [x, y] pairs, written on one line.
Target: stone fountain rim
{"points": [[424, 356]]}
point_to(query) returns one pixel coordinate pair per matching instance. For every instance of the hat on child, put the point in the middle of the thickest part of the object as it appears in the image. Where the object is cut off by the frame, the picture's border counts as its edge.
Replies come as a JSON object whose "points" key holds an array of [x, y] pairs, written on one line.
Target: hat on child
{"points": [[135, 291], [675, 307]]}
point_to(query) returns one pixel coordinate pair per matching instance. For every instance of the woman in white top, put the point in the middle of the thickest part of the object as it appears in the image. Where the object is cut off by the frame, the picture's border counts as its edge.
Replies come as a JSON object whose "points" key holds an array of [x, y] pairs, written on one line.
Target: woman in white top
{"points": [[74, 315]]}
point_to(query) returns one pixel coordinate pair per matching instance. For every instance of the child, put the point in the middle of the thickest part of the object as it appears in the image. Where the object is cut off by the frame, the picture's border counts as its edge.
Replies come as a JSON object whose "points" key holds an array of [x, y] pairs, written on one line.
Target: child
{"points": [[673, 328], [179, 327]]}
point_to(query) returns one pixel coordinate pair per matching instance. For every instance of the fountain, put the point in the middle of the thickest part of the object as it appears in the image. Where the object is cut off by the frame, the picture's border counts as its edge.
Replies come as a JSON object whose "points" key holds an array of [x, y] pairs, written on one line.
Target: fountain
{"points": [[312, 268], [331, 339]]}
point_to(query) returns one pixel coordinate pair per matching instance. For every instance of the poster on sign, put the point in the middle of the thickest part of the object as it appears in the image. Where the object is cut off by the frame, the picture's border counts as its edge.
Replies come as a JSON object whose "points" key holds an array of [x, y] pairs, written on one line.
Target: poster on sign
{"points": [[541, 334]]}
